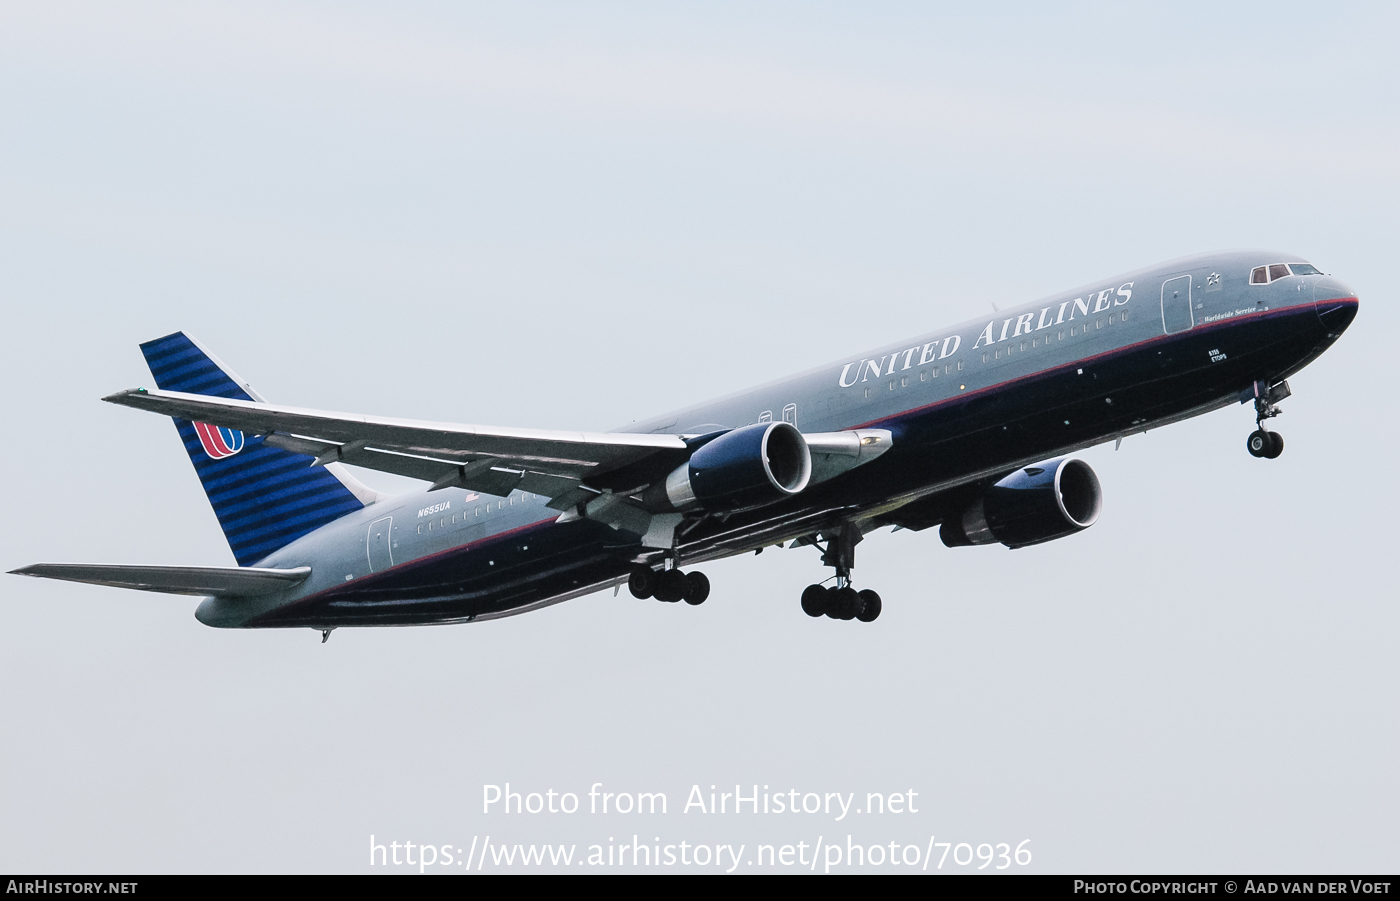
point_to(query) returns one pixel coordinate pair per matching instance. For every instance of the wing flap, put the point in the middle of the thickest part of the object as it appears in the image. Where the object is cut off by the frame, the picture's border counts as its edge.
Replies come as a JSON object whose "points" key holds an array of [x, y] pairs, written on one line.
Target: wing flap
{"points": [[479, 475], [203, 581]]}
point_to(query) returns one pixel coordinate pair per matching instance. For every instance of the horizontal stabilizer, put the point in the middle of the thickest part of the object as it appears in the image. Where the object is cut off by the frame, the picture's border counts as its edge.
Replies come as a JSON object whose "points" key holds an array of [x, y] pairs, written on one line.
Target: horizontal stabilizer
{"points": [[217, 581]]}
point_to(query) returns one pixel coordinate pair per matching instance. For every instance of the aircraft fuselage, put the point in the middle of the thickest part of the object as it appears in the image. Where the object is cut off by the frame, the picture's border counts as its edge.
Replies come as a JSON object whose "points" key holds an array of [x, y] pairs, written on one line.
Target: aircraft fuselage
{"points": [[964, 404]]}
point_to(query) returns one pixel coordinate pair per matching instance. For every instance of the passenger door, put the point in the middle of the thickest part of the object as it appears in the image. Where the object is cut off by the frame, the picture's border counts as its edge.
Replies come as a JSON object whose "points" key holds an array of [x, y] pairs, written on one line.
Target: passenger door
{"points": [[377, 546], [1177, 315]]}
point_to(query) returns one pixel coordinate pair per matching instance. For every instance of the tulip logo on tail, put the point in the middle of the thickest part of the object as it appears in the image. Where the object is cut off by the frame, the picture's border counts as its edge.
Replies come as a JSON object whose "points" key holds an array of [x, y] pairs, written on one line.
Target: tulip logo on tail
{"points": [[219, 442]]}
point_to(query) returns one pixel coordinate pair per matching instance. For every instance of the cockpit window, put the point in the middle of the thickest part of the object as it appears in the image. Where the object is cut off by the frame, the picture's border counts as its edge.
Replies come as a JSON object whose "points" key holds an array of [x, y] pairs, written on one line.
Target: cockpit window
{"points": [[1262, 275]]}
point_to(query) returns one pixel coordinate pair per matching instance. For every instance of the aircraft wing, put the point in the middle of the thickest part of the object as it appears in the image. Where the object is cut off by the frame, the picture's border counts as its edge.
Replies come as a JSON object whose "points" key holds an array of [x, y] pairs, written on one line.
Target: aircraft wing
{"points": [[232, 581], [480, 458]]}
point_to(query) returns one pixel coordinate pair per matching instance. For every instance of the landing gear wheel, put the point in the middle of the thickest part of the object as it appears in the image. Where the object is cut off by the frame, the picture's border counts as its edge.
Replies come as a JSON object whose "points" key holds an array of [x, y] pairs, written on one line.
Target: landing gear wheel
{"points": [[869, 606], [1259, 443], [697, 588], [844, 603], [642, 582], [814, 600], [1275, 445], [670, 586]]}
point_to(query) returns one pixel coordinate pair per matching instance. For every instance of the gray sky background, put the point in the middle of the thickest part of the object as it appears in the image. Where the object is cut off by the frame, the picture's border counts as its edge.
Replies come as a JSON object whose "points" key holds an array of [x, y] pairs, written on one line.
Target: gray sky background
{"points": [[570, 216]]}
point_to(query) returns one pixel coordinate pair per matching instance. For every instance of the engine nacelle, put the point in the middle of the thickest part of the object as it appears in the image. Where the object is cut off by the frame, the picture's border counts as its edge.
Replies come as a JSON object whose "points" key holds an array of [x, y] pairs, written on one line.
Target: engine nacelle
{"points": [[748, 467], [1038, 503]]}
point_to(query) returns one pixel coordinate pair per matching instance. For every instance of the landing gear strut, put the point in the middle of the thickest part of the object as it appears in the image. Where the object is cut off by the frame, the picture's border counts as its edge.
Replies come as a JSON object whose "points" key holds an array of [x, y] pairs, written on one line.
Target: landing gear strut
{"points": [[1262, 442], [841, 601]]}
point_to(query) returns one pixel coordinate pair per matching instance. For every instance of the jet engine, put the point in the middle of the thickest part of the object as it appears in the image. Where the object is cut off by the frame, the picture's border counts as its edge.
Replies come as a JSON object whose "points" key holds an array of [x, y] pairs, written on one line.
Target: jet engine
{"points": [[744, 468], [1038, 503]]}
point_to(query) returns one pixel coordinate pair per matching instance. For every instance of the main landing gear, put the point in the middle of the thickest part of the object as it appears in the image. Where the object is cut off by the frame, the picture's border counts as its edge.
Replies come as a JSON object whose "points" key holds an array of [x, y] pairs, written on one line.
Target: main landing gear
{"points": [[1262, 442], [841, 601], [669, 585]]}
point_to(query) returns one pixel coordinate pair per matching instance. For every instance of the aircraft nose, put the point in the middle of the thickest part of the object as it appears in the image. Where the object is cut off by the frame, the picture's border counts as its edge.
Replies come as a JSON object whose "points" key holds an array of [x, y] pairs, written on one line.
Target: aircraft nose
{"points": [[1336, 305]]}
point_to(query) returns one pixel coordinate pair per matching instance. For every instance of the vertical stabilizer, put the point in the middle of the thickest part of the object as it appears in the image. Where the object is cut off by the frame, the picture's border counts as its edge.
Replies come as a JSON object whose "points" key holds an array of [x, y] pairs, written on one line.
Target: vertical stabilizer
{"points": [[263, 496]]}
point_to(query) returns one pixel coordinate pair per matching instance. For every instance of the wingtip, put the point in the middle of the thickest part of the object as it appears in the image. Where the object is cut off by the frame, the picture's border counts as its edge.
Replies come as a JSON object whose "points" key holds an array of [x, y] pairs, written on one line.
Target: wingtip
{"points": [[121, 396]]}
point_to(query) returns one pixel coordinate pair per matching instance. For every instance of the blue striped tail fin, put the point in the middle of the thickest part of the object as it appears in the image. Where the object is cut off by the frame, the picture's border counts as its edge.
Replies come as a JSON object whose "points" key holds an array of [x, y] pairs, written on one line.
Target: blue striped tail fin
{"points": [[264, 497]]}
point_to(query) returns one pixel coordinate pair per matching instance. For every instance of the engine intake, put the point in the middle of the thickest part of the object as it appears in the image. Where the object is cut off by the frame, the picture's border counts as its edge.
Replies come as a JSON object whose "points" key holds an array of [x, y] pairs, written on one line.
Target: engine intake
{"points": [[747, 467], [1032, 505]]}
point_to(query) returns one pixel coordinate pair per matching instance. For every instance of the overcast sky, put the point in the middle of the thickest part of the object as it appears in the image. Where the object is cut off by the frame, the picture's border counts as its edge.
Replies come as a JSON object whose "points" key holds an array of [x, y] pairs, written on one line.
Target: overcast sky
{"points": [[574, 216]]}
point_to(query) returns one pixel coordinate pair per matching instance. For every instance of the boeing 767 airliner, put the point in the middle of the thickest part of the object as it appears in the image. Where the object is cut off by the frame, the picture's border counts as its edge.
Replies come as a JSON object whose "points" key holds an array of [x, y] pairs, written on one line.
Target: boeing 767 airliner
{"points": [[966, 428]]}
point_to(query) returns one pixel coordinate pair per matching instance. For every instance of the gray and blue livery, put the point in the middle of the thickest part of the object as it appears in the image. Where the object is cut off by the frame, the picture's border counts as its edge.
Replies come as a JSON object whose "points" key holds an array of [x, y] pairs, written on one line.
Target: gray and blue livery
{"points": [[966, 429]]}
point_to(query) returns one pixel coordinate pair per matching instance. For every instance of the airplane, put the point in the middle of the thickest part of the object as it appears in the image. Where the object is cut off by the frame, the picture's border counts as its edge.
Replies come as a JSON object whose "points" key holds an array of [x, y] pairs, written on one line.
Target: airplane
{"points": [[968, 428]]}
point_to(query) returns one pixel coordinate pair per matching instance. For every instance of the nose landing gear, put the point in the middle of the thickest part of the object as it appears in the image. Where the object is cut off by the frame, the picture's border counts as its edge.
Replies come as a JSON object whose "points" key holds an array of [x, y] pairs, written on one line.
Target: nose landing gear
{"points": [[1265, 444], [1262, 442]]}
